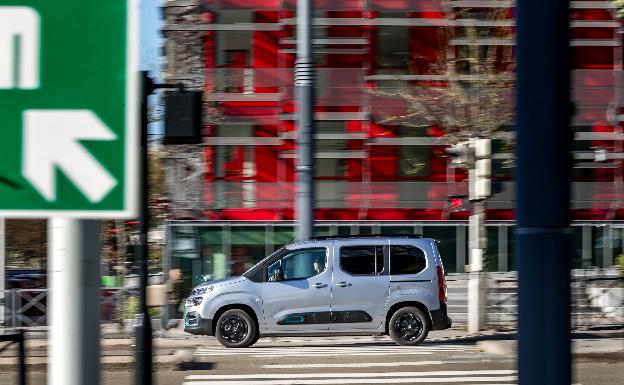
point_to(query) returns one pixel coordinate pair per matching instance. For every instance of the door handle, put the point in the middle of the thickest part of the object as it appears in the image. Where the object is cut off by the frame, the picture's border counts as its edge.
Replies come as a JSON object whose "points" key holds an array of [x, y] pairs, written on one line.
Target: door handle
{"points": [[343, 284], [319, 285]]}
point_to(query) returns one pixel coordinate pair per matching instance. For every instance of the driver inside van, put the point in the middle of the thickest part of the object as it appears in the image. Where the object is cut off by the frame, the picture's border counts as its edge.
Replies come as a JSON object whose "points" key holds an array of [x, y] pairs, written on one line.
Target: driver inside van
{"points": [[318, 266]]}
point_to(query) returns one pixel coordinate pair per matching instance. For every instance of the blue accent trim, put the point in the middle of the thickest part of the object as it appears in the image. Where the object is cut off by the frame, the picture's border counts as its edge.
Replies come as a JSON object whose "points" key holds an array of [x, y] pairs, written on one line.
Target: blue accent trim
{"points": [[294, 319]]}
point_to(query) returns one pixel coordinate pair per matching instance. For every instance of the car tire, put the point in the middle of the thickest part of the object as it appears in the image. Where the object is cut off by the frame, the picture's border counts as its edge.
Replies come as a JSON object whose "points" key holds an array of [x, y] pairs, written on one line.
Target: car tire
{"points": [[236, 329], [408, 326]]}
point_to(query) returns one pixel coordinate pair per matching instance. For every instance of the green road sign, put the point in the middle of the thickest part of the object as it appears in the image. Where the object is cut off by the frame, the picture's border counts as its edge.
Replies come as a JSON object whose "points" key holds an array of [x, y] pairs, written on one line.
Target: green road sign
{"points": [[68, 108]]}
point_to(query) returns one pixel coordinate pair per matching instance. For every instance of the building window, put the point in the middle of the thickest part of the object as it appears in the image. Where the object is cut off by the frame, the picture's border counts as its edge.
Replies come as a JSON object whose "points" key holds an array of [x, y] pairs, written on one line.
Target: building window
{"points": [[392, 48], [447, 235], [328, 165]]}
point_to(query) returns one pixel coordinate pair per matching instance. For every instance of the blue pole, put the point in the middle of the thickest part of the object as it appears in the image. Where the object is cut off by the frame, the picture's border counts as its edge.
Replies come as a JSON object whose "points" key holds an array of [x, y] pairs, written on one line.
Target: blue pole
{"points": [[543, 192]]}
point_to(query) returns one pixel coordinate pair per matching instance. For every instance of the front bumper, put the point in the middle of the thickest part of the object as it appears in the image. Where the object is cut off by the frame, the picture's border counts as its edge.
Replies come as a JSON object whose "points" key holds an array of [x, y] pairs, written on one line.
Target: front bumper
{"points": [[440, 319], [195, 324]]}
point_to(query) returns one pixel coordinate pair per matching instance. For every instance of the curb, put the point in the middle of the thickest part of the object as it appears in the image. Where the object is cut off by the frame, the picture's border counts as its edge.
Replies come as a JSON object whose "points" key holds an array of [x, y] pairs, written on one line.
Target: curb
{"points": [[177, 361], [509, 349], [499, 348]]}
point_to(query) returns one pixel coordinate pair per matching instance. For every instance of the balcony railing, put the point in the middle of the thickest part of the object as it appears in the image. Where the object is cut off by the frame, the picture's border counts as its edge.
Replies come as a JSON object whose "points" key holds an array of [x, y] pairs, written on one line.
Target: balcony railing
{"points": [[401, 195]]}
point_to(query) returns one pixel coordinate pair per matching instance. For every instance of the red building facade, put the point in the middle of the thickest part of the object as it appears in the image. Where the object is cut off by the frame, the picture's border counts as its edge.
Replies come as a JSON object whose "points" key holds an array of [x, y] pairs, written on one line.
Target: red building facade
{"points": [[373, 168]]}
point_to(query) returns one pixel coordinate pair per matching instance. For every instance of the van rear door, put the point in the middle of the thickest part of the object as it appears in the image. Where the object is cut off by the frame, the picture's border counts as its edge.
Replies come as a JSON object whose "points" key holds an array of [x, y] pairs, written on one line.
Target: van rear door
{"points": [[413, 271]]}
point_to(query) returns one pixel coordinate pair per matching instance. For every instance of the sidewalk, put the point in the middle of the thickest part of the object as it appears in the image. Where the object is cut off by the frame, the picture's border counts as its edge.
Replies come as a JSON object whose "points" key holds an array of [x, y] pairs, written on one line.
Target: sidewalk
{"points": [[176, 350], [599, 345]]}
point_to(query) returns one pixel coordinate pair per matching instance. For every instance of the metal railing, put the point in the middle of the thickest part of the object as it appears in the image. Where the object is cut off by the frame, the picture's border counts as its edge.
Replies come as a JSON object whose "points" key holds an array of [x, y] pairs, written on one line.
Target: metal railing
{"points": [[597, 301], [25, 308]]}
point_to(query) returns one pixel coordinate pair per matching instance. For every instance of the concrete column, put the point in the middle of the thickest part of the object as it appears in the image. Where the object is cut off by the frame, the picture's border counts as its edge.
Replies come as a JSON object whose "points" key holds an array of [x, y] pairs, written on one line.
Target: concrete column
{"points": [[477, 285]]}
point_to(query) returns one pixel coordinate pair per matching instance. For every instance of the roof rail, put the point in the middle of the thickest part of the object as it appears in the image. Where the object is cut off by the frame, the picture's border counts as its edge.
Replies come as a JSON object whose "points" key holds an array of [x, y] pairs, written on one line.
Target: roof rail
{"points": [[324, 237]]}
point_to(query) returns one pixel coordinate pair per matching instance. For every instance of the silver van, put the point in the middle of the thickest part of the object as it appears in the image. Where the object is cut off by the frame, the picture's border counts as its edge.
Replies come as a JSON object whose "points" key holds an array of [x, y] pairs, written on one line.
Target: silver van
{"points": [[328, 286]]}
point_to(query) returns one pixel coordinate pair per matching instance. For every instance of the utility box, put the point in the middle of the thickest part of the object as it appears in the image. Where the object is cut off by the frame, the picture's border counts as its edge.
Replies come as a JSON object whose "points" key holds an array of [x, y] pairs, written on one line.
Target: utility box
{"points": [[183, 110]]}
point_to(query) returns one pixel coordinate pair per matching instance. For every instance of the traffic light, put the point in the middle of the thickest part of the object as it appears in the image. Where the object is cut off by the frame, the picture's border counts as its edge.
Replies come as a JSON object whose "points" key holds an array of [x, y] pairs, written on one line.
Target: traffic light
{"points": [[459, 154], [475, 155], [183, 117]]}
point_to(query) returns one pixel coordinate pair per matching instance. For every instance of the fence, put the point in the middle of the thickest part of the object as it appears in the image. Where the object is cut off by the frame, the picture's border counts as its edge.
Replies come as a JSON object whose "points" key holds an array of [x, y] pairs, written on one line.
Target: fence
{"points": [[26, 308], [597, 301]]}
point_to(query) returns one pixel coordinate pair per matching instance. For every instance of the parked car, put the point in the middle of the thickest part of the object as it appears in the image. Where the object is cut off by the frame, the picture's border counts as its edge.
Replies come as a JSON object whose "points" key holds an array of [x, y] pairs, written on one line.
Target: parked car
{"points": [[328, 286]]}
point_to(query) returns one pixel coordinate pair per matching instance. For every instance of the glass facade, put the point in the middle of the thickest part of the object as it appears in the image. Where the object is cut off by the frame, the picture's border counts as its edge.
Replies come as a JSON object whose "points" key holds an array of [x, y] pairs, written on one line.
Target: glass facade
{"points": [[213, 250]]}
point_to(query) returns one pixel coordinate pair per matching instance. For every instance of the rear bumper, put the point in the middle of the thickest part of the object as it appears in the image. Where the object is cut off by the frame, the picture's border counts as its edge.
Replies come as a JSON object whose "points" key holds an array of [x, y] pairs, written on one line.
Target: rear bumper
{"points": [[195, 324], [440, 319]]}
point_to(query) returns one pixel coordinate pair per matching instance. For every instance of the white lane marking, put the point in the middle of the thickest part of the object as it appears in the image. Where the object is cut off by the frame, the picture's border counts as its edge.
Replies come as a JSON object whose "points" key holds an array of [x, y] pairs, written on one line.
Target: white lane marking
{"points": [[506, 380], [446, 373], [330, 351], [356, 365]]}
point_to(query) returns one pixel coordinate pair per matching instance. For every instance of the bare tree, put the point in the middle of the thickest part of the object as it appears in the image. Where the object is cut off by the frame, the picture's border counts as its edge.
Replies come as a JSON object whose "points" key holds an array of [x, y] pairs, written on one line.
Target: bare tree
{"points": [[469, 90], [469, 93]]}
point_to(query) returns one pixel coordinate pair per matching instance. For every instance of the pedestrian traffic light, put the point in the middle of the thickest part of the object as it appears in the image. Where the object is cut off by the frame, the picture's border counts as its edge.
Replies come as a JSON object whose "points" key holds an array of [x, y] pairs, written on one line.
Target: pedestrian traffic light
{"points": [[458, 202]]}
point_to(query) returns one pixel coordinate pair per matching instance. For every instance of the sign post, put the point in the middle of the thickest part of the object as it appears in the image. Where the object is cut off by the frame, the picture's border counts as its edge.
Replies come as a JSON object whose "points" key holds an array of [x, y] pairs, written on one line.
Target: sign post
{"points": [[69, 140]]}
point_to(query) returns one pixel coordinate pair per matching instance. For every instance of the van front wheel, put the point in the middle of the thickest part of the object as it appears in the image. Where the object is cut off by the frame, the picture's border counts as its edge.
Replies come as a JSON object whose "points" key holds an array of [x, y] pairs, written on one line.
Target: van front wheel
{"points": [[408, 326], [236, 329]]}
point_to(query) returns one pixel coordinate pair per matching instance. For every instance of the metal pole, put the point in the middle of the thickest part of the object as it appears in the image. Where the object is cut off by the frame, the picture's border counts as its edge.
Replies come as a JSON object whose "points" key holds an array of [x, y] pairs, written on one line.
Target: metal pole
{"points": [[543, 168], [2, 273], [477, 284], [74, 302], [21, 365], [304, 87], [143, 329]]}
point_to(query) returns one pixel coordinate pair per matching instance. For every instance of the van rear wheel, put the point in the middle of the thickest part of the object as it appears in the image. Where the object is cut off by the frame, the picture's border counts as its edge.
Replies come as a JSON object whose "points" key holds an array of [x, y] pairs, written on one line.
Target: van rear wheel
{"points": [[236, 329], [408, 326]]}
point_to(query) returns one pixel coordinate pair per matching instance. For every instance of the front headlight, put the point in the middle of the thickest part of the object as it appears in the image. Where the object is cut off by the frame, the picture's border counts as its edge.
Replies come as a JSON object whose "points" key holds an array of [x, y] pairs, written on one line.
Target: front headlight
{"points": [[194, 301]]}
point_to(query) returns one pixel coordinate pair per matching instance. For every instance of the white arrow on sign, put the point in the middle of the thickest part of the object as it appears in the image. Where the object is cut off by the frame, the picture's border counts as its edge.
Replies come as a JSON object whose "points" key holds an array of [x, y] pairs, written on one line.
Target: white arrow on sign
{"points": [[51, 141]]}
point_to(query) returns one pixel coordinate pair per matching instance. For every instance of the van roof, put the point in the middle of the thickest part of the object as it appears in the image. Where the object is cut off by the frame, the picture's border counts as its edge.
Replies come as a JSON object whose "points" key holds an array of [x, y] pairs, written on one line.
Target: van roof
{"points": [[376, 236]]}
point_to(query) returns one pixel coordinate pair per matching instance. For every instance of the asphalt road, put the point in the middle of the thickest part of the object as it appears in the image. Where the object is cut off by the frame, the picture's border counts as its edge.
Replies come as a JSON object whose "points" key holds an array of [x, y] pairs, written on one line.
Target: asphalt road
{"points": [[348, 361]]}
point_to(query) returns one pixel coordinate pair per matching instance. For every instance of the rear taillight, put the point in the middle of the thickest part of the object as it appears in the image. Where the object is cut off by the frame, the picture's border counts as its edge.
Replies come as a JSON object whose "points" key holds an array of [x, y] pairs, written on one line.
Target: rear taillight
{"points": [[441, 284]]}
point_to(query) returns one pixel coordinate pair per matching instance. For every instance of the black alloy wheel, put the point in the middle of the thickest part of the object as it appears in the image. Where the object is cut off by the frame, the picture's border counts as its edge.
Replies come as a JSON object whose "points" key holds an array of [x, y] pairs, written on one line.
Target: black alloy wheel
{"points": [[236, 329], [408, 326]]}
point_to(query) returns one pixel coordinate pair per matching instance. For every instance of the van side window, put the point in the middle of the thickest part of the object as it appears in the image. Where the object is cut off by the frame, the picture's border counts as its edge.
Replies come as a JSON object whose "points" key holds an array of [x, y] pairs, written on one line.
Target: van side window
{"points": [[407, 260], [299, 264], [362, 260]]}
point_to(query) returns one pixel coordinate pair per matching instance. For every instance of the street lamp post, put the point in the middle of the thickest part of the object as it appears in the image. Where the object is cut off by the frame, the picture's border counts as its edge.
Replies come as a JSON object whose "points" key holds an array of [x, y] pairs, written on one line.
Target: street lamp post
{"points": [[304, 88]]}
